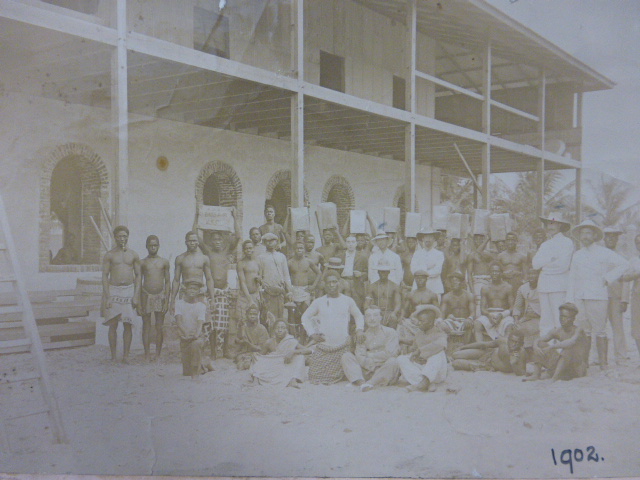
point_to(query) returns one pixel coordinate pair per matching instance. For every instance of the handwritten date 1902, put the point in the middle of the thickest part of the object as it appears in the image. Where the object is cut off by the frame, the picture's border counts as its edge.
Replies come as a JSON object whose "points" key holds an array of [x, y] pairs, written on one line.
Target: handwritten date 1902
{"points": [[568, 456]]}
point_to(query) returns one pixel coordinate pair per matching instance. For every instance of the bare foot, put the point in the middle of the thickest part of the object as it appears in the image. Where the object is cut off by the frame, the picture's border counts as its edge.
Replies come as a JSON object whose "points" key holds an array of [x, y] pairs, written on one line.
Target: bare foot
{"points": [[125, 360]]}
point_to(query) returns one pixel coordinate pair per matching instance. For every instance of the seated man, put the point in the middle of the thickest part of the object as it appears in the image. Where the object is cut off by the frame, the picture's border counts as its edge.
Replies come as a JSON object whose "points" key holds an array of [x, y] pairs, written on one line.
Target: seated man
{"points": [[526, 311], [252, 336], [385, 294], [572, 359], [495, 301], [281, 361], [379, 345], [409, 328], [190, 316], [326, 321], [505, 354], [458, 307], [426, 363], [421, 295]]}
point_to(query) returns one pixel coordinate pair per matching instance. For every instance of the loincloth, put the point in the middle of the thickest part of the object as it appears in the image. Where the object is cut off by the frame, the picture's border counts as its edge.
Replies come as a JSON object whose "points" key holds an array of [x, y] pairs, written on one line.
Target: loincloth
{"points": [[120, 297], [325, 365], [151, 302], [300, 294], [220, 309]]}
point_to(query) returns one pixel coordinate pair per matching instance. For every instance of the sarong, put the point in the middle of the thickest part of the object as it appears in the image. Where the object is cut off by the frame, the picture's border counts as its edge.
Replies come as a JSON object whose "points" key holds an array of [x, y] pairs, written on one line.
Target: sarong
{"points": [[151, 302], [220, 317], [325, 364], [120, 297]]}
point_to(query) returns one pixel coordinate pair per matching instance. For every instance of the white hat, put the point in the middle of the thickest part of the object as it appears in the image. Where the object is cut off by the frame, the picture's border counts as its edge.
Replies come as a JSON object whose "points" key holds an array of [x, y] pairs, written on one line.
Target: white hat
{"points": [[380, 235], [588, 224], [557, 217]]}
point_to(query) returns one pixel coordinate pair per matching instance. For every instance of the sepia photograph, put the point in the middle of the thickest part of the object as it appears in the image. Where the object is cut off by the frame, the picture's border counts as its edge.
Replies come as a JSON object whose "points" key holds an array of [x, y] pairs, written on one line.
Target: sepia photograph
{"points": [[320, 238]]}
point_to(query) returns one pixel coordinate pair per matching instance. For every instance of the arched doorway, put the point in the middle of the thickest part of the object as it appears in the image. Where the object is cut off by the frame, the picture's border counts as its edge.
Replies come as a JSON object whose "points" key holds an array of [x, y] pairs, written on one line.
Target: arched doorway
{"points": [[74, 180], [278, 194], [338, 190]]}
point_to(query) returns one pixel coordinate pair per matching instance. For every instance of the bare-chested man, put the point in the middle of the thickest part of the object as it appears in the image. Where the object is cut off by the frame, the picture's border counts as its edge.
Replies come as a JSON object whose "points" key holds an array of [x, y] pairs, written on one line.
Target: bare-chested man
{"points": [[458, 308], [504, 354], [270, 226], [313, 255], [333, 243], [478, 263], [302, 290], [385, 294], [514, 265], [421, 295], [496, 300], [220, 253], [455, 260], [120, 295], [256, 238], [249, 278], [154, 294], [191, 267]]}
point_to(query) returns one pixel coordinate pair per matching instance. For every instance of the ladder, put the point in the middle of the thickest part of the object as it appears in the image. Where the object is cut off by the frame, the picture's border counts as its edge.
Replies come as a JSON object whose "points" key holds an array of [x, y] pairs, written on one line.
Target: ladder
{"points": [[23, 305]]}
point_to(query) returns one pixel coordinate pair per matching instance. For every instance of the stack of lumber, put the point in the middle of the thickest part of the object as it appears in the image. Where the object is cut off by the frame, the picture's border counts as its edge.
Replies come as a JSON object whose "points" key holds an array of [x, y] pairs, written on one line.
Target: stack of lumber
{"points": [[60, 316]]}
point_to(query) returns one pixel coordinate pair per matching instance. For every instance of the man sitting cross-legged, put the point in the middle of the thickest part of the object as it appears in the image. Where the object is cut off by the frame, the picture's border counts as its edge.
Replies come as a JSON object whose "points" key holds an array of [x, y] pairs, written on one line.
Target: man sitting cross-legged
{"points": [[505, 354], [252, 336], [572, 359], [409, 328], [458, 307], [379, 344], [495, 301]]}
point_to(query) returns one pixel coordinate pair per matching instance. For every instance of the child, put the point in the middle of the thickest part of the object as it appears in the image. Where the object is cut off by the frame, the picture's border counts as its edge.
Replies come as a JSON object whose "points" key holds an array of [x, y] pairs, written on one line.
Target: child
{"points": [[190, 316]]}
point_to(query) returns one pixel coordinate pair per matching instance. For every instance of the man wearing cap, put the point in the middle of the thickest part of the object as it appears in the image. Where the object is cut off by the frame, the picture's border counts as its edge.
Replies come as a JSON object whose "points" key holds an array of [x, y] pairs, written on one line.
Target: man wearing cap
{"points": [[593, 268], [553, 259], [429, 259], [385, 294], [276, 281], [381, 240], [355, 269], [421, 295], [618, 300], [326, 321]]}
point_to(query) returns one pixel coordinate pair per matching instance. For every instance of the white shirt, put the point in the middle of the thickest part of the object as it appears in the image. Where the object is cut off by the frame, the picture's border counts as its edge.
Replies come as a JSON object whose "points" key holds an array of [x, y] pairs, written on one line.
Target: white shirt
{"points": [[349, 259], [395, 275], [330, 316], [430, 261], [590, 268], [553, 258]]}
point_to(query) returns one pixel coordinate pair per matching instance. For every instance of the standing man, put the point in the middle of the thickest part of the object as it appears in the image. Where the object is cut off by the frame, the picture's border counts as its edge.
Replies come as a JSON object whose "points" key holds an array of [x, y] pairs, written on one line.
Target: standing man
{"points": [[302, 290], [553, 259], [154, 294], [429, 259], [256, 238], [514, 265], [421, 295], [479, 263], [381, 240], [120, 272], [219, 253], [406, 256], [386, 295], [276, 281], [326, 321], [270, 226], [618, 301], [333, 243], [355, 269], [454, 261], [249, 278], [593, 268]]}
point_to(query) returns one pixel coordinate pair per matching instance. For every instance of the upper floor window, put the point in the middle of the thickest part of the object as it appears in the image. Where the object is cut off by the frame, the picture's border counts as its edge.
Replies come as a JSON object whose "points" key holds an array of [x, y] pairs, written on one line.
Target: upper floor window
{"points": [[331, 71]]}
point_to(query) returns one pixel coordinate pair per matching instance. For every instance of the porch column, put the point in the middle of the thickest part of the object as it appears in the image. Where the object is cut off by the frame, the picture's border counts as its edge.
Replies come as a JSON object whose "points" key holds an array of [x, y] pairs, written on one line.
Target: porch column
{"points": [[120, 115], [486, 125], [542, 98], [410, 129], [297, 106]]}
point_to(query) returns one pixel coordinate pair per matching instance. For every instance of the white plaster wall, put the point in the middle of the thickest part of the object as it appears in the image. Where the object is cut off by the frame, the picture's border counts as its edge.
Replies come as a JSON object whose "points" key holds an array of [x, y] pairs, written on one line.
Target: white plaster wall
{"points": [[163, 203]]}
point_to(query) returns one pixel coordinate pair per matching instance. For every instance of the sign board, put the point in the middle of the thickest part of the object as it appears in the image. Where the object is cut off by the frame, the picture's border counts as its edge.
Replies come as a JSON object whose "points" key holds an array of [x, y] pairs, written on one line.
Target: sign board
{"points": [[358, 221], [300, 219], [412, 224], [440, 217], [215, 218], [391, 219], [327, 214], [458, 225], [480, 221]]}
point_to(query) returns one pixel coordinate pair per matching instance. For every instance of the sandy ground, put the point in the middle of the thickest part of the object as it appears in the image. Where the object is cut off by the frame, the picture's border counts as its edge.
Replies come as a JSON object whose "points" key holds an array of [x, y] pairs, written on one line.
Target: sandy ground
{"points": [[146, 419]]}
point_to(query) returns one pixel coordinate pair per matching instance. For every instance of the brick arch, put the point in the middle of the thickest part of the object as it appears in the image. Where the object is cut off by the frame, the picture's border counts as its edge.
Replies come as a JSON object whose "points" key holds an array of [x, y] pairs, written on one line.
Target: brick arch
{"points": [[94, 179], [338, 190], [278, 193], [228, 185], [399, 202]]}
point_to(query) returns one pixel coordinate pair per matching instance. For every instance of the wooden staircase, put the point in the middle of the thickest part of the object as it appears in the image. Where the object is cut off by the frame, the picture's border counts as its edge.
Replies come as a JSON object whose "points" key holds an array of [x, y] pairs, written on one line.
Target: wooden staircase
{"points": [[60, 317]]}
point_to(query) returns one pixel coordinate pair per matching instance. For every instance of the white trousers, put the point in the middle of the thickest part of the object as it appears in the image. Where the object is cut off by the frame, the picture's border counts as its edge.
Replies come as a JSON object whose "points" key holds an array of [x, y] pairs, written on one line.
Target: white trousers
{"points": [[435, 369]]}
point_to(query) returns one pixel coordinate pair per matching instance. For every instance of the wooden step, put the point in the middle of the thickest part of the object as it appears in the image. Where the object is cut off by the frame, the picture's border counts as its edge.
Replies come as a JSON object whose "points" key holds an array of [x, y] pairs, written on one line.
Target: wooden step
{"points": [[48, 346], [52, 310], [53, 333], [11, 298]]}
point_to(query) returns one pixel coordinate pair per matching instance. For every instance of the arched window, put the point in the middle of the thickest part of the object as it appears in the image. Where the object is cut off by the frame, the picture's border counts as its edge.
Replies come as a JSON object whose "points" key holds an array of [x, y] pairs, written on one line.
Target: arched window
{"points": [[73, 182], [339, 191], [279, 194]]}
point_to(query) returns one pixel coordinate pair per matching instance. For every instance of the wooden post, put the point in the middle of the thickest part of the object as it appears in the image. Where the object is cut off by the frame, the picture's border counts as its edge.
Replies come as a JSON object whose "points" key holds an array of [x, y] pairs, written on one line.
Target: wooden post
{"points": [[542, 111], [410, 129], [578, 195], [120, 114], [297, 106], [486, 125]]}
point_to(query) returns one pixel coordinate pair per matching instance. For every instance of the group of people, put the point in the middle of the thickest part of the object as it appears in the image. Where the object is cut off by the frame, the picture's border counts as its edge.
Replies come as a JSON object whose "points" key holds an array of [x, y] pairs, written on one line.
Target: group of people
{"points": [[378, 307]]}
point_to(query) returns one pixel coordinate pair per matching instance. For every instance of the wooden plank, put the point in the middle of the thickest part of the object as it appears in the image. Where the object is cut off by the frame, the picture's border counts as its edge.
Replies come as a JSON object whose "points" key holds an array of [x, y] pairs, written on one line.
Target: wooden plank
{"points": [[49, 332], [49, 346], [52, 311]]}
